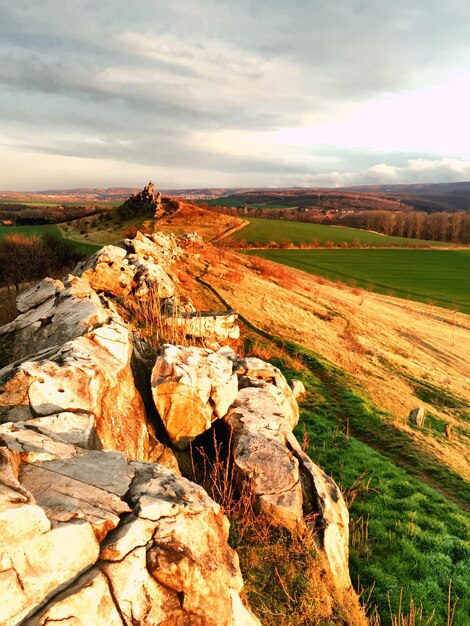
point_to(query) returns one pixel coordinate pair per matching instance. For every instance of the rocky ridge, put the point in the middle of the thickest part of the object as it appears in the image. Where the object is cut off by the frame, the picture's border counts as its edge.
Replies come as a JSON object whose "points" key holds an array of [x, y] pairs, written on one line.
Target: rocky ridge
{"points": [[97, 524]]}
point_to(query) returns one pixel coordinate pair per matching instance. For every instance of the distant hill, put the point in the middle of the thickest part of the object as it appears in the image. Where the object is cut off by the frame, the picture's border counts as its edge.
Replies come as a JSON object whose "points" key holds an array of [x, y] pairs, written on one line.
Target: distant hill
{"points": [[421, 196]]}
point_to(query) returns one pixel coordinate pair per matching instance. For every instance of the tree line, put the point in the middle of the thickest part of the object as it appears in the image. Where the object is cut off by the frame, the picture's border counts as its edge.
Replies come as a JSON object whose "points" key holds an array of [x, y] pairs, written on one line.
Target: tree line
{"points": [[449, 227], [439, 226]]}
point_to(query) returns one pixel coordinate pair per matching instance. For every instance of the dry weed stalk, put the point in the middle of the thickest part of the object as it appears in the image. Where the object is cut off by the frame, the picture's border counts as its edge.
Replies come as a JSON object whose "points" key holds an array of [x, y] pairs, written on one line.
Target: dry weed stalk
{"points": [[360, 486], [217, 475], [163, 320], [413, 618]]}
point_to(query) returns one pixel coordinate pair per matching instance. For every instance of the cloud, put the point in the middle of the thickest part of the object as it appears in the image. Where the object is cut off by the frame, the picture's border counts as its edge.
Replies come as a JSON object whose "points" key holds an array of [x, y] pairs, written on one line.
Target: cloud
{"points": [[272, 91], [414, 171]]}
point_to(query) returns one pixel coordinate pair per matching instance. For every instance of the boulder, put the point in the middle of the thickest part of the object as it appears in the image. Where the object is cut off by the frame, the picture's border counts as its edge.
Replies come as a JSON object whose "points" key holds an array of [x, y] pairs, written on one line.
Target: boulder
{"points": [[417, 415], [258, 438], [192, 387], [287, 485], [298, 388], [139, 266], [108, 271], [254, 368]]}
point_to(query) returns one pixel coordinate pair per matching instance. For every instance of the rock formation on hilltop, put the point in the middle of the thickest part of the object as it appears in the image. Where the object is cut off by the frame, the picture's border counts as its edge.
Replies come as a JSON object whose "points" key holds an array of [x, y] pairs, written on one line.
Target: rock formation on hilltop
{"points": [[97, 526], [147, 201]]}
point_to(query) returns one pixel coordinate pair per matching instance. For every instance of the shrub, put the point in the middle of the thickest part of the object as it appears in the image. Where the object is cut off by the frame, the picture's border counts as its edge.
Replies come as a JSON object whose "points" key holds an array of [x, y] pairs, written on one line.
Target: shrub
{"points": [[24, 258], [129, 232]]}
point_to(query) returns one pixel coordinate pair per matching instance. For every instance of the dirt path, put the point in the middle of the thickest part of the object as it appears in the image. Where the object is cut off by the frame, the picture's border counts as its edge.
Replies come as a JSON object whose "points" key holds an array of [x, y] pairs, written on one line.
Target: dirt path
{"points": [[230, 231]]}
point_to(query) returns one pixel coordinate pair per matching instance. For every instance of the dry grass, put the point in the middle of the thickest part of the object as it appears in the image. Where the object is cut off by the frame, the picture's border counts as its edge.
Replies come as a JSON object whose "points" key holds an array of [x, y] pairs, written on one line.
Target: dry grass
{"points": [[8, 310], [385, 343], [286, 580]]}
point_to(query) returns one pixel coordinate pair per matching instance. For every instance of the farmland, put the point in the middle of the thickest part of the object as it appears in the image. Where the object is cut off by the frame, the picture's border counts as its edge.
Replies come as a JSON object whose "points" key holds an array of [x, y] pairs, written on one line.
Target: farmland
{"points": [[28, 231], [441, 277], [264, 231]]}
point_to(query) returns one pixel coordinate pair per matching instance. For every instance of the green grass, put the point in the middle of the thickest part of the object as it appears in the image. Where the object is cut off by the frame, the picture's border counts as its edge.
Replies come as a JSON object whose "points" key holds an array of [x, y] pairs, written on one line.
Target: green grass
{"points": [[103, 232], [264, 231], [404, 534], [438, 276], [28, 231]]}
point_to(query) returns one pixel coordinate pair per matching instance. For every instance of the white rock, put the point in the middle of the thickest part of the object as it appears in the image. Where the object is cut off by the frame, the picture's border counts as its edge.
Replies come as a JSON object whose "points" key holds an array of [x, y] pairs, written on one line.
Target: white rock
{"points": [[191, 387], [298, 388], [37, 294]]}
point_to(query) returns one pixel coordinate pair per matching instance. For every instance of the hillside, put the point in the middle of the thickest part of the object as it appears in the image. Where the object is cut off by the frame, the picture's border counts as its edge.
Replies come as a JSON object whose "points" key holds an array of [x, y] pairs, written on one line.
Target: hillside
{"points": [[127, 443], [366, 360], [107, 228], [369, 360]]}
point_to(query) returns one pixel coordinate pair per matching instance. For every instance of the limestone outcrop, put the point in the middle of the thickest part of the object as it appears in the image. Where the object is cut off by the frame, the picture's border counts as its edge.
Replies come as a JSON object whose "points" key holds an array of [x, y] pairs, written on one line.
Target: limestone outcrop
{"points": [[191, 388], [136, 266], [97, 526], [90, 538], [146, 201], [288, 486], [209, 326]]}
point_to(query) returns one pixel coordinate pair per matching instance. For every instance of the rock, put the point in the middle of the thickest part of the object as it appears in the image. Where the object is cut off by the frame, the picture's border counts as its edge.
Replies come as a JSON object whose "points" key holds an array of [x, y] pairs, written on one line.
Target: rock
{"points": [[108, 271], [90, 375], [36, 558], [417, 415], [287, 485], [136, 266], [321, 496], [449, 430], [86, 602], [192, 238], [298, 388], [37, 294], [67, 427], [33, 446], [258, 437], [71, 310], [166, 562], [217, 326], [191, 387], [255, 368], [160, 247], [189, 555], [145, 201]]}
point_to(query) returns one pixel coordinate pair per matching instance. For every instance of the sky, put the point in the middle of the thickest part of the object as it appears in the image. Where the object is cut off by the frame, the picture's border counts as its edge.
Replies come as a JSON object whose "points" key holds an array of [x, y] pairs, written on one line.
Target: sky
{"points": [[233, 93]]}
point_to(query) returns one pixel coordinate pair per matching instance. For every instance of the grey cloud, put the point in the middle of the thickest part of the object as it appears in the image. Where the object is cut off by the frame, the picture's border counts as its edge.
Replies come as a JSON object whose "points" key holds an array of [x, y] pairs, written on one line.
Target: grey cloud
{"points": [[150, 73]]}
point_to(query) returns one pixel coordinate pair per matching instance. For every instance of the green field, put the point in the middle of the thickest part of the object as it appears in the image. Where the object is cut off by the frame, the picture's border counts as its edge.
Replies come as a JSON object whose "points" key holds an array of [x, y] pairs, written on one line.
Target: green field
{"points": [[264, 231], [28, 231], [404, 534], [438, 276]]}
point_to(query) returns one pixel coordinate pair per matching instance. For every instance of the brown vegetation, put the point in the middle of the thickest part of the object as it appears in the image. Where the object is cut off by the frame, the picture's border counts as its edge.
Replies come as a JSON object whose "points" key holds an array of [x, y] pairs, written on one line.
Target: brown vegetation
{"points": [[24, 258]]}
